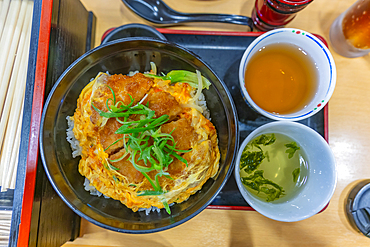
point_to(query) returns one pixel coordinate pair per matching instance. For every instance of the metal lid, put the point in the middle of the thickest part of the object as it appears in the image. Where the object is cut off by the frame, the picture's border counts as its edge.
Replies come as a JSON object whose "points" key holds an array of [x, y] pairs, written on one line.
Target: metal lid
{"points": [[358, 207]]}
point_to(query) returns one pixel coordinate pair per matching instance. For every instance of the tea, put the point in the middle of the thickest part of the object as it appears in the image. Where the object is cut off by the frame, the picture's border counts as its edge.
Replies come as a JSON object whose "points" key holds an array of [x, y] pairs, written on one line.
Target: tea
{"points": [[281, 78], [356, 25]]}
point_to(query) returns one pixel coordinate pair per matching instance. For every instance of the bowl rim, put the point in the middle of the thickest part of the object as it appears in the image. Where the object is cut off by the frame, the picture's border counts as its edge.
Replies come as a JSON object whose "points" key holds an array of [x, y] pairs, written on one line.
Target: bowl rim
{"points": [[230, 156], [288, 117], [245, 193], [139, 26]]}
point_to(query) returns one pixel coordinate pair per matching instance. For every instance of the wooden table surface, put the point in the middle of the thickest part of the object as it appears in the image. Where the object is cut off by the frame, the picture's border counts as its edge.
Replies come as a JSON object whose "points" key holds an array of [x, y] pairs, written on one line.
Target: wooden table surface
{"points": [[349, 138]]}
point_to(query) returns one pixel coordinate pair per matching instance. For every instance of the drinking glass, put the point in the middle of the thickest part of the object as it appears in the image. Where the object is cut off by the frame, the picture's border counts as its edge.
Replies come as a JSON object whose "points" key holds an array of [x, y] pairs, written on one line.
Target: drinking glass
{"points": [[350, 32]]}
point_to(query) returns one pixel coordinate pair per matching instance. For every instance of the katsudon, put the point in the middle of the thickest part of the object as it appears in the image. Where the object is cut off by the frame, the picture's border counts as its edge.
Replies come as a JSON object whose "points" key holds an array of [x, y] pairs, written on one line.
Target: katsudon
{"points": [[145, 140]]}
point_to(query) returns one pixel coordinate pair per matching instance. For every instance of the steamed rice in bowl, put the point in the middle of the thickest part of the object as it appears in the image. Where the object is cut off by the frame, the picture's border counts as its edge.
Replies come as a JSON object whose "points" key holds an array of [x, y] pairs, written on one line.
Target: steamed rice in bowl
{"points": [[125, 158]]}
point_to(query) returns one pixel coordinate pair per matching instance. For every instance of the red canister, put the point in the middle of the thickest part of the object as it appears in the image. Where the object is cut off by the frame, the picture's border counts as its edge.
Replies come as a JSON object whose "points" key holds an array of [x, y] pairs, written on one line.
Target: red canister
{"points": [[272, 14]]}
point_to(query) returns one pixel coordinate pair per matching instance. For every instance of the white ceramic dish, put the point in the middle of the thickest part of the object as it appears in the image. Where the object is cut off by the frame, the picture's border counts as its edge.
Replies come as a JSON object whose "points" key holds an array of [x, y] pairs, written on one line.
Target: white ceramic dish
{"points": [[321, 56], [312, 197]]}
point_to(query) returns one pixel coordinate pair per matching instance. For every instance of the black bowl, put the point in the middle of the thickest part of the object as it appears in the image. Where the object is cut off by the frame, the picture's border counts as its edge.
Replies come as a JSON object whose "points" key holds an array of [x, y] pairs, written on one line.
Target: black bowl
{"points": [[122, 56], [132, 30]]}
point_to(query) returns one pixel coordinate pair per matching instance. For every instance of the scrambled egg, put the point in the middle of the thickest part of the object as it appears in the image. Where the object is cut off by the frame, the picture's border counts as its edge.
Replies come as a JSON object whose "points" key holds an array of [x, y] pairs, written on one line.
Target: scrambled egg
{"points": [[103, 149]]}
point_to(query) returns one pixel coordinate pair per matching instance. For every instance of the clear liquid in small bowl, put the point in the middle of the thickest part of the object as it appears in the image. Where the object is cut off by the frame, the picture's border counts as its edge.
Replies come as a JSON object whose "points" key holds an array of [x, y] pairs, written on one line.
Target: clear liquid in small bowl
{"points": [[280, 175]]}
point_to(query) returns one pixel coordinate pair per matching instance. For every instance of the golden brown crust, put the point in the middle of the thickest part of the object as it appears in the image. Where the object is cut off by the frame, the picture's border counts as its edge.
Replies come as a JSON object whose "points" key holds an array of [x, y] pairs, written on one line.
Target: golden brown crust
{"points": [[190, 129]]}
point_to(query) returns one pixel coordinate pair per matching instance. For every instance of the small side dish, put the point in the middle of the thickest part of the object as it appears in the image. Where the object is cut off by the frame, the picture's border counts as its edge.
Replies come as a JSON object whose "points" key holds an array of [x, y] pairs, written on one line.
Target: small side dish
{"points": [[286, 171]]}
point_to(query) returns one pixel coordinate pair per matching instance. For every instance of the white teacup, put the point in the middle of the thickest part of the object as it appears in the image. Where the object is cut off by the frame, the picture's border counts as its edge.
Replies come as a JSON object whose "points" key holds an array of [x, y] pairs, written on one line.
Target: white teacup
{"points": [[321, 180], [323, 61]]}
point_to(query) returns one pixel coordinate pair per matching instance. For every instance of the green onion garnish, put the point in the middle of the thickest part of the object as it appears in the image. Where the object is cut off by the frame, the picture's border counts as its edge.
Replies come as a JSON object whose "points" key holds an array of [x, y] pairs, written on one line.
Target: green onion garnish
{"points": [[136, 142]]}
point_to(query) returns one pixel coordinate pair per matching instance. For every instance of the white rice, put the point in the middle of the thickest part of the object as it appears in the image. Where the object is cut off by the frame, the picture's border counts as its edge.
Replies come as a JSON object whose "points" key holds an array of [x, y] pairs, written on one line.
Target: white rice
{"points": [[77, 151], [131, 73], [93, 191], [75, 144], [201, 101], [149, 210], [152, 209]]}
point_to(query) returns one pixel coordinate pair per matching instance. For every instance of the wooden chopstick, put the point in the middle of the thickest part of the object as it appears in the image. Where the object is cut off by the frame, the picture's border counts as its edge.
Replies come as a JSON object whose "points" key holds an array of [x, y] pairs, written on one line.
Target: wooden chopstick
{"points": [[13, 83]]}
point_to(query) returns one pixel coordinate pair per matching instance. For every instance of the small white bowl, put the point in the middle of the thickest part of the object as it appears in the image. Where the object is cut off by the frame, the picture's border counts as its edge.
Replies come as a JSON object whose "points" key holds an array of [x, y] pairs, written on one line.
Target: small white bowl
{"points": [[319, 53], [312, 197]]}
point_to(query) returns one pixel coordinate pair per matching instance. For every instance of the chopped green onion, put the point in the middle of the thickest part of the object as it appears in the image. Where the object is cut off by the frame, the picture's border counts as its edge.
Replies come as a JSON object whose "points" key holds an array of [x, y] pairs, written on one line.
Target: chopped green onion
{"points": [[166, 206], [113, 144], [150, 193], [115, 179], [183, 76], [136, 135]]}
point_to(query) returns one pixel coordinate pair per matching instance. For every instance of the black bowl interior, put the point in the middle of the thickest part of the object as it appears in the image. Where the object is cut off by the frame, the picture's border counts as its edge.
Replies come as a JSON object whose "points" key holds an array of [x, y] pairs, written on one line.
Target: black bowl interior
{"points": [[122, 56]]}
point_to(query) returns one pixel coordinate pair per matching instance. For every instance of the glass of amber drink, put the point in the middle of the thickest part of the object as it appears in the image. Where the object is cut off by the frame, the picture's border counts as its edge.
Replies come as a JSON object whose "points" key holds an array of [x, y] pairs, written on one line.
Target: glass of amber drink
{"points": [[350, 32]]}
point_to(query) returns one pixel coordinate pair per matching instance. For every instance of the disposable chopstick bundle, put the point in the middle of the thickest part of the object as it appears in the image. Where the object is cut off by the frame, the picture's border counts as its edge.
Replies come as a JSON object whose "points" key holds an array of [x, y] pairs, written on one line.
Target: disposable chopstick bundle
{"points": [[15, 32], [11, 116], [10, 180], [18, 59], [9, 43], [13, 71], [10, 152]]}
